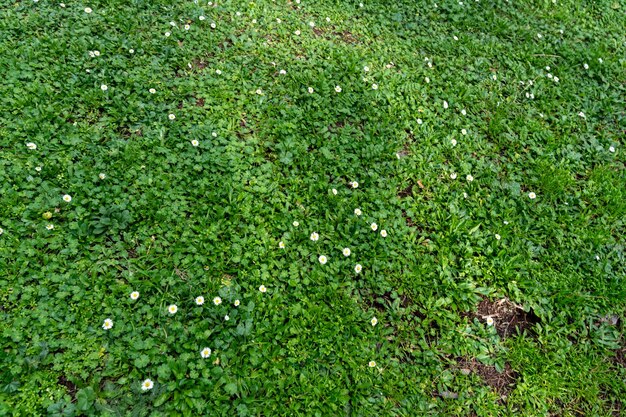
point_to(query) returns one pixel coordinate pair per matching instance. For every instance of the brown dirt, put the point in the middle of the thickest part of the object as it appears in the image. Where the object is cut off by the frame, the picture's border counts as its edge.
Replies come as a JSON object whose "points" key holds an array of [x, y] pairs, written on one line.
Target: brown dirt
{"points": [[71, 388], [503, 383], [508, 317]]}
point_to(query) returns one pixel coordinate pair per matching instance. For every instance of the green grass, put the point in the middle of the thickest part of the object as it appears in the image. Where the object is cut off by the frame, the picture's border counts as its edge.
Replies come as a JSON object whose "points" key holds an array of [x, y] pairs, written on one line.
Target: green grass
{"points": [[175, 221]]}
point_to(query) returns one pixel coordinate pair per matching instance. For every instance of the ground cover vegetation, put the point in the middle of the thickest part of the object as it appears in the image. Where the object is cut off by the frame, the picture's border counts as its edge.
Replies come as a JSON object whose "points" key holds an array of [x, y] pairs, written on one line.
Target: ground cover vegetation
{"points": [[312, 208]]}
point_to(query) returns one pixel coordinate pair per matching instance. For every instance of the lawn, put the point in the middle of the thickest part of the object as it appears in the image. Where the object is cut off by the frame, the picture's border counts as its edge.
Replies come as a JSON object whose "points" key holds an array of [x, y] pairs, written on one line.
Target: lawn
{"points": [[299, 208]]}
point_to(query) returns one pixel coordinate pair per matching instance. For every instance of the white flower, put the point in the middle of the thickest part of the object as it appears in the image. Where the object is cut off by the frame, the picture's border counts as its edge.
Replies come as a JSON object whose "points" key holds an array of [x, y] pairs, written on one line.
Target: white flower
{"points": [[108, 323], [254, 21], [214, 134], [338, 89], [167, 34], [1, 230], [217, 301], [360, 4], [88, 10], [456, 38], [427, 80], [213, 25], [296, 224], [469, 178], [310, 90], [355, 184], [374, 226], [374, 86], [374, 321], [464, 132], [581, 114], [532, 195], [49, 226], [357, 212], [205, 353], [218, 72], [366, 68], [259, 91], [172, 309], [226, 318], [282, 72], [463, 112], [506, 222], [445, 104], [281, 245], [372, 364], [611, 149], [134, 295], [419, 121], [91, 54], [297, 33], [38, 169], [586, 66], [103, 87], [549, 75], [358, 268], [600, 60], [187, 27], [334, 191], [199, 300], [465, 195], [102, 175], [262, 288], [62, 4], [494, 77], [312, 24], [489, 321], [67, 198], [322, 259], [346, 252], [453, 175], [147, 385], [278, 20], [548, 68], [539, 35], [597, 257], [171, 116], [556, 79], [173, 24], [31, 146], [383, 233], [430, 64], [195, 143], [201, 18], [236, 303], [453, 142], [132, 51], [314, 237], [498, 237]]}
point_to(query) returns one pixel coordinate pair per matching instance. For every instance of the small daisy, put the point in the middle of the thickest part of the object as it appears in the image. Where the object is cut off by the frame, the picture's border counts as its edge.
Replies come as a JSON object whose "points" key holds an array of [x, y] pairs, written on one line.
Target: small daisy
{"points": [[278, 20], [465, 195], [262, 288], [38, 169], [358, 268], [187, 27], [214, 134], [213, 25], [296, 224], [200, 300], [469, 178], [103, 87], [236, 303], [147, 385], [600, 60], [217, 301], [62, 4], [206, 352], [453, 142], [355, 184], [334, 191], [96, 53], [464, 132], [556, 79], [108, 323], [489, 321], [539, 35], [374, 86], [218, 72], [532, 195], [611, 149], [366, 68], [549, 75], [494, 77], [586, 66], [498, 237], [312, 24], [49, 226], [328, 19], [259, 91], [581, 114], [322, 259], [201, 18], [374, 226], [297, 33], [310, 90], [456, 38], [383, 233], [195, 143], [374, 321], [172, 309], [31, 146], [131, 51], [134, 295], [1, 230], [338, 89], [346, 252], [67, 198], [314, 236], [463, 112], [453, 175], [88, 10], [171, 116], [167, 34], [419, 121], [226, 318], [102, 175], [357, 212], [281, 245], [372, 364], [445, 104], [282, 72], [427, 80]]}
